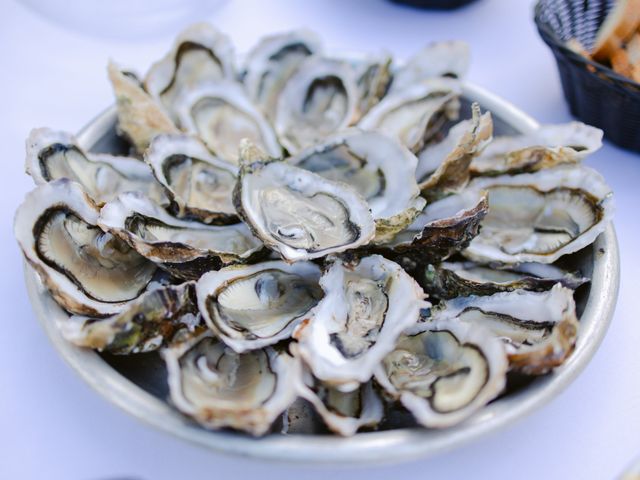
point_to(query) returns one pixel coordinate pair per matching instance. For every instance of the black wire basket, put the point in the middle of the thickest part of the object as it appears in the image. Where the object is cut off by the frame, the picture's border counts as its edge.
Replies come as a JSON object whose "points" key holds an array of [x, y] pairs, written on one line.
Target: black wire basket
{"points": [[596, 94]]}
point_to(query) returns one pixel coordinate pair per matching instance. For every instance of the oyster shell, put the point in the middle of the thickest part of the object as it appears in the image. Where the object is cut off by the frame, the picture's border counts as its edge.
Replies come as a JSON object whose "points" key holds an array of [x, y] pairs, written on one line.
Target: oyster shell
{"points": [[199, 54], [415, 114], [140, 116], [187, 249], [152, 320], [52, 155], [438, 59], [199, 185], [296, 213], [221, 114], [548, 146], [538, 217], [452, 279], [367, 305], [443, 228], [250, 307], [378, 167], [444, 371], [464, 142], [539, 328], [86, 270], [345, 412], [319, 99], [218, 387], [271, 63], [373, 76]]}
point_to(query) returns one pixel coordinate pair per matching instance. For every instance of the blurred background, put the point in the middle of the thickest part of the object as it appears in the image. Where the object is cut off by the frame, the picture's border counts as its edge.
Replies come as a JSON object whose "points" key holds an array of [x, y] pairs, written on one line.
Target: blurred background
{"points": [[54, 55]]}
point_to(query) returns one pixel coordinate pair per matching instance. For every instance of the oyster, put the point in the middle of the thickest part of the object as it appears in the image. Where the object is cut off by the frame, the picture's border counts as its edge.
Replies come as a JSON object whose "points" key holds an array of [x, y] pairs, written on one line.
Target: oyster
{"points": [[296, 213], [52, 155], [539, 328], [199, 54], [250, 307], [271, 63], [439, 59], [444, 371], [199, 185], [187, 249], [221, 114], [548, 146], [367, 305], [373, 76], [538, 217], [464, 141], [416, 114], [140, 116], [319, 99], [452, 279], [86, 270], [378, 167], [345, 412], [443, 228], [218, 387], [152, 320]]}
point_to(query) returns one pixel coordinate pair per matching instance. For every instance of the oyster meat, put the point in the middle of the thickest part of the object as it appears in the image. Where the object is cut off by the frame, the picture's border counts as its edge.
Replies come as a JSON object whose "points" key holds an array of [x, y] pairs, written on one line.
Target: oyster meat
{"points": [[199, 185], [218, 387], [378, 167], [444, 371], [538, 217], [318, 100], [255, 306], [416, 114], [187, 249], [52, 155], [271, 63], [221, 114], [296, 213], [367, 304], [86, 270]]}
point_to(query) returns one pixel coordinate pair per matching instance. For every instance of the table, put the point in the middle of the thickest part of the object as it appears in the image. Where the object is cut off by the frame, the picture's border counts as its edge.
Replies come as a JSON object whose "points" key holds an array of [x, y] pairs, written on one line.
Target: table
{"points": [[52, 426]]}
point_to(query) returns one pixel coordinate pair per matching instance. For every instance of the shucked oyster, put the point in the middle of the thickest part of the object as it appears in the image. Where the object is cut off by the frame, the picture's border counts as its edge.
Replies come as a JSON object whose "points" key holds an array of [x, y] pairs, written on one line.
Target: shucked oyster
{"points": [[444, 371], [200, 54], [271, 63], [539, 328], [439, 59], [187, 249], [52, 155], [198, 185], [218, 387], [221, 114], [318, 100], [140, 116], [452, 279], [296, 213], [538, 217], [255, 306], [415, 114], [87, 271], [154, 319], [367, 305], [546, 147], [344, 412], [464, 142], [378, 167], [373, 76]]}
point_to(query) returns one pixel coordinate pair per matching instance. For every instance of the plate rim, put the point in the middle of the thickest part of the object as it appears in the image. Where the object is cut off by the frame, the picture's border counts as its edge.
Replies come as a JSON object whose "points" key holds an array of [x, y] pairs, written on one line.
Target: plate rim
{"points": [[367, 447]]}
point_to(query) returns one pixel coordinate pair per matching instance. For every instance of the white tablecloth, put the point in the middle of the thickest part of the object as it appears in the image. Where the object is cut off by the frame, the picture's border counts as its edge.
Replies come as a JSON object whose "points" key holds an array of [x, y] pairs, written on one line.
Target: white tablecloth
{"points": [[52, 426]]}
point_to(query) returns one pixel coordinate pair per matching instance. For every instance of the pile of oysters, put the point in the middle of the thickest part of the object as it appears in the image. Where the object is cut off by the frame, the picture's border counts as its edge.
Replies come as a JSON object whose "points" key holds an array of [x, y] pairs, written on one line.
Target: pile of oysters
{"points": [[299, 226]]}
